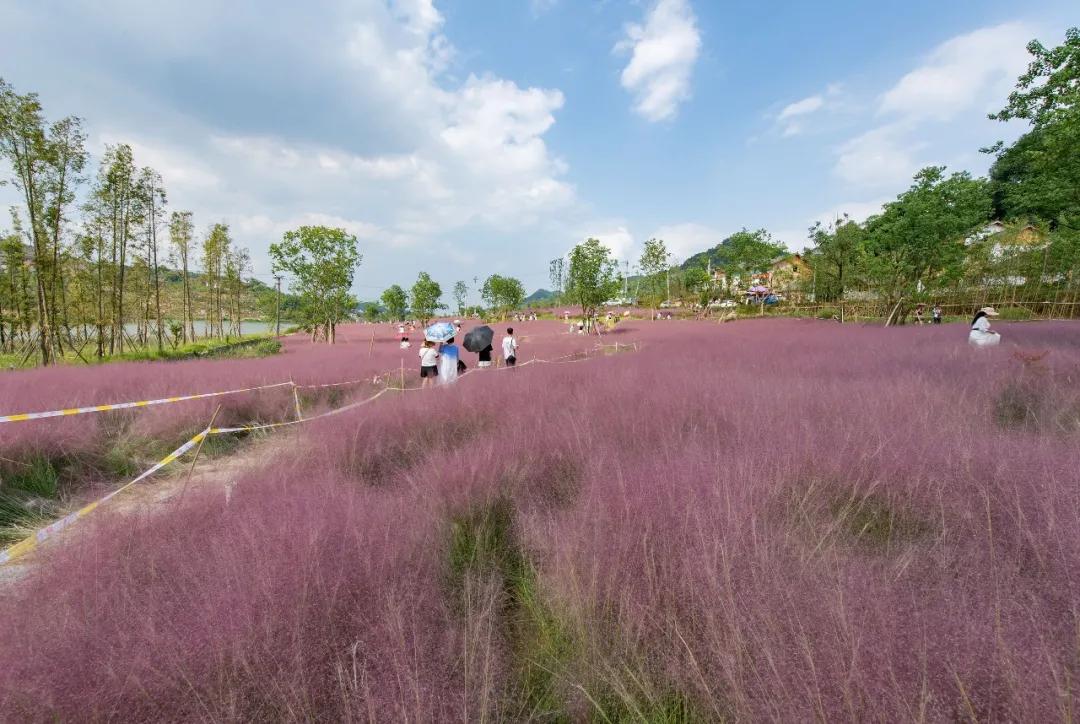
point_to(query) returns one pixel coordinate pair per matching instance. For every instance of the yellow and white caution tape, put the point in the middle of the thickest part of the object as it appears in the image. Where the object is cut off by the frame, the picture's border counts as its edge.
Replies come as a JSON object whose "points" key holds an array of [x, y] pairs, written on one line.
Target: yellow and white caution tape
{"points": [[127, 405], [31, 542]]}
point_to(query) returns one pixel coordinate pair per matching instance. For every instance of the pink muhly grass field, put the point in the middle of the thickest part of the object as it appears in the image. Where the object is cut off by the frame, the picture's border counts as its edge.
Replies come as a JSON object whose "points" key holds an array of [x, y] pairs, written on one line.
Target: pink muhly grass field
{"points": [[766, 520]]}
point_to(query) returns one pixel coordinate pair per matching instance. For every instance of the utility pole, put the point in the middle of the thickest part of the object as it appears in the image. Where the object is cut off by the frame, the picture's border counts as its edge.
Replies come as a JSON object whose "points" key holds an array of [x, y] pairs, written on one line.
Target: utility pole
{"points": [[277, 310], [626, 280]]}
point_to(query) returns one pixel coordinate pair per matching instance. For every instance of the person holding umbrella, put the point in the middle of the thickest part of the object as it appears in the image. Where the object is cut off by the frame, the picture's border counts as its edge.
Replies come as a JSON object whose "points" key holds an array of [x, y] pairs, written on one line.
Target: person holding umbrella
{"points": [[478, 340], [442, 333]]}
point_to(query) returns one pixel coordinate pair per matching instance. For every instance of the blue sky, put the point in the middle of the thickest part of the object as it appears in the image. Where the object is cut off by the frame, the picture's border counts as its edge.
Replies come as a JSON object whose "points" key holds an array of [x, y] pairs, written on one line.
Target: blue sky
{"points": [[466, 138]]}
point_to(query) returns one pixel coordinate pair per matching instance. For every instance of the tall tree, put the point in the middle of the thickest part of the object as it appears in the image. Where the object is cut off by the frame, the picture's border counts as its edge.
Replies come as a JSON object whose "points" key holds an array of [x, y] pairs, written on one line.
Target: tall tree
{"points": [[461, 295], [115, 201], [917, 242], [834, 255], [592, 277], [396, 300], [751, 252], [151, 192], [503, 293], [47, 163], [557, 273], [655, 262], [424, 297], [215, 250], [181, 237], [321, 261]]}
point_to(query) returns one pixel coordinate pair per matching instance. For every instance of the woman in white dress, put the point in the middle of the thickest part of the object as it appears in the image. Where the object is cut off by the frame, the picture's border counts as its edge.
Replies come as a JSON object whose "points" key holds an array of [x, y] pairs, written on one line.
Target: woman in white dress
{"points": [[980, 334]]}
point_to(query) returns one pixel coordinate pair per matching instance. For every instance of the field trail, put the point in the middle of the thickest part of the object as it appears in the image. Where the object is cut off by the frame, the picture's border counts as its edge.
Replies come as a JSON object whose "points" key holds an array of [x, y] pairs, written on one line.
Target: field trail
{"points": [[156, 495]]}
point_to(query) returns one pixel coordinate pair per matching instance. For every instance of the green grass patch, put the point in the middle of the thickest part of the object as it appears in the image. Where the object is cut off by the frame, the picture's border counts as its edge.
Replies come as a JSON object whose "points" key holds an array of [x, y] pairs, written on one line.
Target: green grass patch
{"points": [[263, 346], [548, 656], [824, 517], [28, 497]]}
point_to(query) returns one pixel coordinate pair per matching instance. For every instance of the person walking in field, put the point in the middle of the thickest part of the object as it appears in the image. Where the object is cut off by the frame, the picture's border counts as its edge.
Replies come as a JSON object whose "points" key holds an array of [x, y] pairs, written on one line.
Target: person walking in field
{"points": [[510, 347], [935, 314], [981, 335], [485, 356], [429, 364], [404, 336], [449, 356]]}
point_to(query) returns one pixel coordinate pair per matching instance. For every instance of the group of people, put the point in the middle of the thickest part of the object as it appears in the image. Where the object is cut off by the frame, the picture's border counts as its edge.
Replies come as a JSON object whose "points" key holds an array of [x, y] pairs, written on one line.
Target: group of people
{"points": [[920, 312], [443, 361]]}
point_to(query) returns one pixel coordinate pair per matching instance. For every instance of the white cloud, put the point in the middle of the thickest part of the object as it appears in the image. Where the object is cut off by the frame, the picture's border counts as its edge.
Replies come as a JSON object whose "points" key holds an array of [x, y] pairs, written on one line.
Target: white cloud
{"points": [[685, 240], [539, 7], [958, 83], [801, 108], [360, 129], [792, 117], [617, 237], [882, 157], [663, 52], [961, 72]]}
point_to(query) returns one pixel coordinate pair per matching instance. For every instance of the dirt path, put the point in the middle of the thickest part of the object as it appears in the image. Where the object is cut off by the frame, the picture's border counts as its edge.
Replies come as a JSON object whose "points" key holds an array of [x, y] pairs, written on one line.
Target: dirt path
{"points": [[155, 494]]}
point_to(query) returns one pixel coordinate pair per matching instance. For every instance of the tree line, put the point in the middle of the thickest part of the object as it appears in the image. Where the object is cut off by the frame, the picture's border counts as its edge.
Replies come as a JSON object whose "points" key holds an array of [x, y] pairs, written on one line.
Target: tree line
{"points": [[83, 265], [934, 241]]}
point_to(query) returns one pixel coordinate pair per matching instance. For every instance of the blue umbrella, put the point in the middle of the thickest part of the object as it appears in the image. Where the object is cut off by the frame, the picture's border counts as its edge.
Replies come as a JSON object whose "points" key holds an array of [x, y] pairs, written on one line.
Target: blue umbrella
{"points": [[440, 332]]}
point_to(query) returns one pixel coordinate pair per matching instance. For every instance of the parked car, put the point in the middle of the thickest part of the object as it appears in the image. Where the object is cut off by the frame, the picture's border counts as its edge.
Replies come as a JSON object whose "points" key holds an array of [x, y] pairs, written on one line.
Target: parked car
{"points": [[722, 304]]}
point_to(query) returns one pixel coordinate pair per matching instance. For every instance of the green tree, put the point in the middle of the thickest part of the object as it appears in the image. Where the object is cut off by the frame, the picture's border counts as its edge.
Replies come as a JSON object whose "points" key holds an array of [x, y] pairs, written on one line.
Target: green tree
{"points": [[181, 237], [655, 262], [592, 277], [1050, 86], [424, 297], [371, 312], [834, 256], [697, 284], [461, 296], [917, 243], [557, 273], [751, 252], [1038, 177], [503, 293], [321, 262], [47, 163], [396, 302]]}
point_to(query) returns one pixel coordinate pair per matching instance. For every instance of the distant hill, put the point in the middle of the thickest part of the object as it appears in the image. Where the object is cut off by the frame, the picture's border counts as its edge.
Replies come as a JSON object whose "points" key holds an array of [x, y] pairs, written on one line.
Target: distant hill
{"points": [[719, 256], [539, 295]]}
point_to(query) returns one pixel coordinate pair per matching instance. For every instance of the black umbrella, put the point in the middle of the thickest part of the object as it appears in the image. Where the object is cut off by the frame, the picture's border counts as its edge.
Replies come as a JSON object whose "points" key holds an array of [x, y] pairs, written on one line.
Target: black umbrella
{"points": [[479, 339]]}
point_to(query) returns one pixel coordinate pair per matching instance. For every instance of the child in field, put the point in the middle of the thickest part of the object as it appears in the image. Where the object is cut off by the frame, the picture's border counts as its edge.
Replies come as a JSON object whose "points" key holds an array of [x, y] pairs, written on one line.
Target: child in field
{"points": [[404, 336], [510, 347], [935, 314], [448, 362], [429, 361]]}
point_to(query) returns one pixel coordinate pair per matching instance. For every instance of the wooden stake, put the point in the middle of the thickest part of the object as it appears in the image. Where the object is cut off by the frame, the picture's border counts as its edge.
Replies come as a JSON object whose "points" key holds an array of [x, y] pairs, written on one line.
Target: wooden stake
{"points": [[371, 347], [198, 451], [403, 374]]}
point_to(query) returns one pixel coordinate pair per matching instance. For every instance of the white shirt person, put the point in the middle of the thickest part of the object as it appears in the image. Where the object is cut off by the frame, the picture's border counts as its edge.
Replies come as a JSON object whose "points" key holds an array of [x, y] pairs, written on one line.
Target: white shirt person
{"points": [[509, 348], [981, 335]]}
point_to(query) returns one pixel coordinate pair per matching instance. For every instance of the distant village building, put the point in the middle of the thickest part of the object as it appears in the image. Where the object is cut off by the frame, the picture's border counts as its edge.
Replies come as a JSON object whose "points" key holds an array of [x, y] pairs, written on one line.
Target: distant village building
{"points": [[790, 275], [1001, 246]]}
